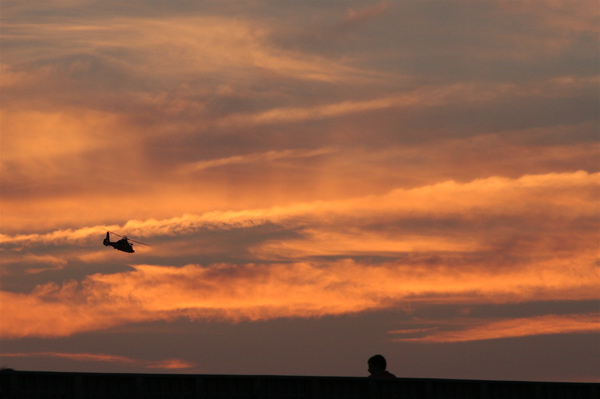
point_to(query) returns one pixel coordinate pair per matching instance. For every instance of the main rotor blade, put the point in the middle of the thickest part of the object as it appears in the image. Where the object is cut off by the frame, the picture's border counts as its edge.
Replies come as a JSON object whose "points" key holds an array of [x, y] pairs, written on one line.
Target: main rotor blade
{"points": [[139, 242]]}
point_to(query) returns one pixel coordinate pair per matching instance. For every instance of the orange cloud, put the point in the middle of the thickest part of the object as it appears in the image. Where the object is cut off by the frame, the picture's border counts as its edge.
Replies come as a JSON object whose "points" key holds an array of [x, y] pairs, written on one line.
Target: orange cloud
{"points": [[494, 240], [512, 328], [259, 292]]}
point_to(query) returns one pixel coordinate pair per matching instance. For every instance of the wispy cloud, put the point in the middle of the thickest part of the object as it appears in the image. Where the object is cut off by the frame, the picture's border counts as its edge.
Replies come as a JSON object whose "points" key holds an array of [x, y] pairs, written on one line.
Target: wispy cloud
{"points": [[420, 98], [364, 14]]}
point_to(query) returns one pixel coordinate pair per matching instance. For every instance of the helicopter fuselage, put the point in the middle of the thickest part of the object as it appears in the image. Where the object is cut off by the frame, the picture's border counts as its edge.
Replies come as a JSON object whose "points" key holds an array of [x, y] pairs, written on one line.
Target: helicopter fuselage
{"points": [[122, 244]]}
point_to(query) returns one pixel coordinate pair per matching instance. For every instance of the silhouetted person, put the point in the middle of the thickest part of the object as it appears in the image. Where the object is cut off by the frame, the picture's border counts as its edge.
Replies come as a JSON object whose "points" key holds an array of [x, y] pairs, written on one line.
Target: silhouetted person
{"points": [[377, 368]]}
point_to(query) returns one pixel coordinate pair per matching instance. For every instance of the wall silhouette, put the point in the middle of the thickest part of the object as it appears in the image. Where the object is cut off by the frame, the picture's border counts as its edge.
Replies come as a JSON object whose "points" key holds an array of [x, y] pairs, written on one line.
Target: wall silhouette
{"points": [[42, 385]]}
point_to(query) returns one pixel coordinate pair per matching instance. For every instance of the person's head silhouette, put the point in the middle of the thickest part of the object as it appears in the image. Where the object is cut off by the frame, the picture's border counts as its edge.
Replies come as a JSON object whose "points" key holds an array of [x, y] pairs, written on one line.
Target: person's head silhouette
{"points": [[377, 367]]}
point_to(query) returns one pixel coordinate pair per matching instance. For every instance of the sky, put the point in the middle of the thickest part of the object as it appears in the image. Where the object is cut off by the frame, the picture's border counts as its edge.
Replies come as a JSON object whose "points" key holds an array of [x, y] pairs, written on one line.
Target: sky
{"points": [[319, 182]]}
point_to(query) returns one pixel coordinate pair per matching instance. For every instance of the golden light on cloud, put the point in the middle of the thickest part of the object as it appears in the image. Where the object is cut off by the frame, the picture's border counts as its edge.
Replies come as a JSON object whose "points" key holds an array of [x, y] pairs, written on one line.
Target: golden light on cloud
{"points": [[60, 137], [331, 243]]}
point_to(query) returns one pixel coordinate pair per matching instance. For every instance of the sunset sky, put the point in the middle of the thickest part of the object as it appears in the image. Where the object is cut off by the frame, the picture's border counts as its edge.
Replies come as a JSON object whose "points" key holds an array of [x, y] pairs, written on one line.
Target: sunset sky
{"points": [[319, 181]]}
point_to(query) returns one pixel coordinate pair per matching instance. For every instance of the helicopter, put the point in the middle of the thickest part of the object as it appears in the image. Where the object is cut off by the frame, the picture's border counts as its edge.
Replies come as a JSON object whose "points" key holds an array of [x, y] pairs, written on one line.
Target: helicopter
{"points": [[122, 244]]}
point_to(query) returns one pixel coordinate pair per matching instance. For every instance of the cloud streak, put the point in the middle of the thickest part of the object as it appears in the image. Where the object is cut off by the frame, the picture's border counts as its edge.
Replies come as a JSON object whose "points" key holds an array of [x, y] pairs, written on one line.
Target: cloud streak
{"points": [[270, 156], [511, 328], [167, 364], [480, 199]]}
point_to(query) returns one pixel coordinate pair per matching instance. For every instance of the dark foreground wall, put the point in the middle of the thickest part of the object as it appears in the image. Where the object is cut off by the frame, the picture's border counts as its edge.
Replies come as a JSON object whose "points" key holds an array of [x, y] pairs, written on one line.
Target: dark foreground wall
{"points": [[51, 385]]}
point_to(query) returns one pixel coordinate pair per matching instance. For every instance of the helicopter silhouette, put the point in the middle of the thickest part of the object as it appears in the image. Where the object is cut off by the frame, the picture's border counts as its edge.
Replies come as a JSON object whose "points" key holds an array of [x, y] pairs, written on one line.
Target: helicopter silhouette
{"points": [[122, 244]]}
